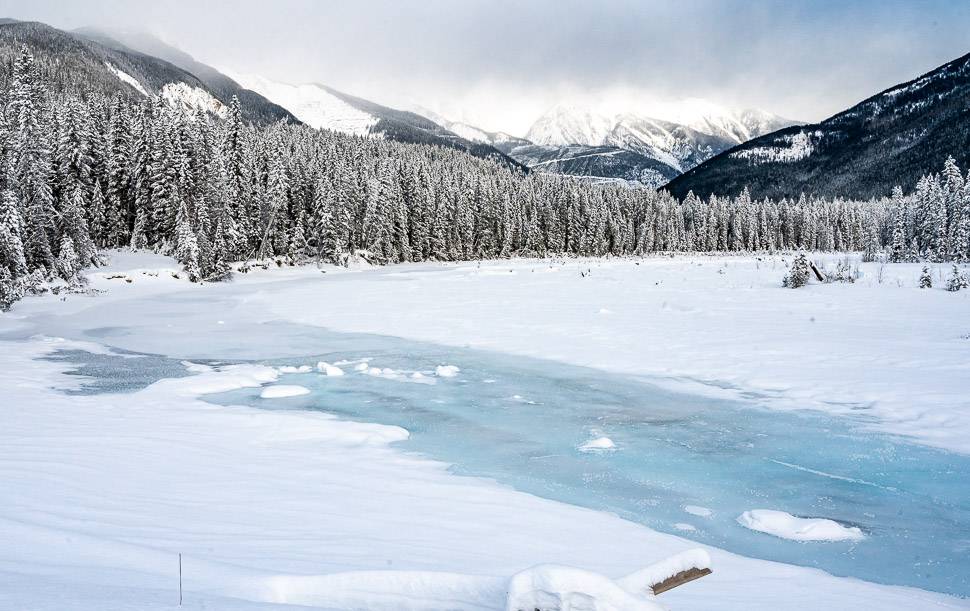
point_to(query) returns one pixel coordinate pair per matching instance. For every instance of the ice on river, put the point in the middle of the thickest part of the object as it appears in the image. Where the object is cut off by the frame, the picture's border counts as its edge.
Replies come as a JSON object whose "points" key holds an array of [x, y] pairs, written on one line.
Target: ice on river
{"points": [[787, 526], [280, 391]]}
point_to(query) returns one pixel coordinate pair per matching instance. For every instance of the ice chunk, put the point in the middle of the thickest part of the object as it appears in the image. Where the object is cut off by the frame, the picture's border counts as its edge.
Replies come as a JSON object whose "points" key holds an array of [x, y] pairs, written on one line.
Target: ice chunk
{"points": [[329, 370], [787, 526], [446, 371], [278, 391], [597, 445], [697, 510]]}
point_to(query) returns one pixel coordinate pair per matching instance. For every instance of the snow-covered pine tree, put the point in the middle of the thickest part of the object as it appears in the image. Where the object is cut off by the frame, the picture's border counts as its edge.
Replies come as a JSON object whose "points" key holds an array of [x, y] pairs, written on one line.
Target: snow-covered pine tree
{"points": [[12, 256], [798, 274], [69, 265], [956, 281], [926, 278], [186, 244]]}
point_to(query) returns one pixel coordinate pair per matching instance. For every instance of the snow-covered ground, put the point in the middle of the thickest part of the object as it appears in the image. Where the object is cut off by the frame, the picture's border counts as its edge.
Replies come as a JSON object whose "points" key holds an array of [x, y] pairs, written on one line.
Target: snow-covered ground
{"points": [[880, 346], [270, 508]]}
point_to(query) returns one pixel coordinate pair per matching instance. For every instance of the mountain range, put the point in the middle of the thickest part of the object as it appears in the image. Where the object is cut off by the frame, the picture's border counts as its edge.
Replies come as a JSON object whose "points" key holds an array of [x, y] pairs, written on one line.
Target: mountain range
{"points": [[891, 138], [630, 146]]}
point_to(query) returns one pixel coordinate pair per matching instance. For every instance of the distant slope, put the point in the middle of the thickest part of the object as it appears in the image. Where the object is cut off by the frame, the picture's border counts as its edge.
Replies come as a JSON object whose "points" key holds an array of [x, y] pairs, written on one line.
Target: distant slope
{"points": [[326, 108], [890, 139], [598, 163], [76, 64], [255, 107]]}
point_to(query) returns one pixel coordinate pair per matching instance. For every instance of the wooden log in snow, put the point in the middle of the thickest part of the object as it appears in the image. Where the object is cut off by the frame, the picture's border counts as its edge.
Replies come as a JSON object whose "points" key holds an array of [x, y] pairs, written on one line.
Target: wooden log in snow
{"points": [[679, 579], [818, 274]]}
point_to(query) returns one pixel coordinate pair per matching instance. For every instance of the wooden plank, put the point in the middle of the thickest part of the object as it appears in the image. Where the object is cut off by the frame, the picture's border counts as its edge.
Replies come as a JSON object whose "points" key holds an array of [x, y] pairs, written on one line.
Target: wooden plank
{"points": [[679, 579]]}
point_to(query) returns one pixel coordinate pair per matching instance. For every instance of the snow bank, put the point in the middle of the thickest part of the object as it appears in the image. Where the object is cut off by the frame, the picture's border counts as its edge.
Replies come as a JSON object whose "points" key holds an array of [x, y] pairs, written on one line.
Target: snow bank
{"points": [[216, 379], [787, 526], [329, 370], [279, 391], [565, 588], [295, 369], [446, 371]]}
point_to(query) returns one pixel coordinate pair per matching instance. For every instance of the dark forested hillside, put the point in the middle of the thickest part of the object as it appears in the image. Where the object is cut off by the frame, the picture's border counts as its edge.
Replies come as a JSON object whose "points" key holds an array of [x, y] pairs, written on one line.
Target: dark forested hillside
{"points": [[255, 108], [890, 139]]}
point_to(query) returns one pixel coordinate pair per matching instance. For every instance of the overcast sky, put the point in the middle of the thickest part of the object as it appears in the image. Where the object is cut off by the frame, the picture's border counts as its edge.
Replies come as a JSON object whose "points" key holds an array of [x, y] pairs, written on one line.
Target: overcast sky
{"points": [[500, 64]]}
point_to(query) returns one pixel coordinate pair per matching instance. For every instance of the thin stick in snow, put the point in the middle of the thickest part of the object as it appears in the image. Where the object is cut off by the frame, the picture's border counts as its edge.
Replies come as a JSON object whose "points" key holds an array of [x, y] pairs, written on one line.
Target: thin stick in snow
{"points": [[679, 579], [180, 579]]}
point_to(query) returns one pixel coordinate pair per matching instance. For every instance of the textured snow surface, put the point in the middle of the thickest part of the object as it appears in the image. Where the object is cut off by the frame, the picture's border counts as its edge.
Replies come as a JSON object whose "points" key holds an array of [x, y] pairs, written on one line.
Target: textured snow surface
{"points": [[189, 98], [311, 104], [787, 526], [126, 78], [275, 508]]}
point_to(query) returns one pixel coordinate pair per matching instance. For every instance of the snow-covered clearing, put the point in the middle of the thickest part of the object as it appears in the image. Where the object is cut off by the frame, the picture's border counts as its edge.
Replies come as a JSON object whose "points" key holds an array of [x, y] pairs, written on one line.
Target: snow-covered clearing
{"points": [[98, 494]]}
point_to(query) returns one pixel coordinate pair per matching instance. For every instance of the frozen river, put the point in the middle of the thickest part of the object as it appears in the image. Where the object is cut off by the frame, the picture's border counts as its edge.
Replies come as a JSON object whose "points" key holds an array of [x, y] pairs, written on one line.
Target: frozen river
{"points": [[679, 463]]}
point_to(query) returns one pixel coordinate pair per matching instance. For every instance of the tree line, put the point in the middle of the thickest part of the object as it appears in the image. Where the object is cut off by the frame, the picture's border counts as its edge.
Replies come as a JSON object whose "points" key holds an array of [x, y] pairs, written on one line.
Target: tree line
{"points": [[83, 173]]}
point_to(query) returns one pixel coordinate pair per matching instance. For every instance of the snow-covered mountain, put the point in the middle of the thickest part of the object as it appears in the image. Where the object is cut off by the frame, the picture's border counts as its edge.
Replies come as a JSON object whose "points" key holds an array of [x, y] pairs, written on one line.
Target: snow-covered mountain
{"points": [[890, 139], [97, 65], [254, 107], [500, 140], [579, 141], [312, 104], [324, 107], [695, 131]]}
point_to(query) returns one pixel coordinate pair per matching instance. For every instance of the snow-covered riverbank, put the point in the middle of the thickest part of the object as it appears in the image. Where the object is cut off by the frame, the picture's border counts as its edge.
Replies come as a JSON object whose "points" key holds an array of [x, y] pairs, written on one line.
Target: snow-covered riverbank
{"points": [[270, 508]]}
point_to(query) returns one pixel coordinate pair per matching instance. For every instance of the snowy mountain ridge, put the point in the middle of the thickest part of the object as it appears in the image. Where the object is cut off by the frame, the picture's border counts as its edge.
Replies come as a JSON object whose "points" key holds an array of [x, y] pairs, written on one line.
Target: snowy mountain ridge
{"points": [[310, 103], [891, 138]]}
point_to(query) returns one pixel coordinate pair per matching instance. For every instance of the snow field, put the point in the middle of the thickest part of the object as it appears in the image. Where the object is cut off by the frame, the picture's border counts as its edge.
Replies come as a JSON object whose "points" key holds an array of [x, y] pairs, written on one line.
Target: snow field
{"points": [[98, 494]]}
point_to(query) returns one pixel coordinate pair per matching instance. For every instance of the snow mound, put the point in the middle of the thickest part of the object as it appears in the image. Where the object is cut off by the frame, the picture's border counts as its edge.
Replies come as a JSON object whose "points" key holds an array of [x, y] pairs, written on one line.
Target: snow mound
{"points": [[787, 526], [658, 572], [189, 98], [598, 444], [697, 510], [124, 77], [212, 380], [446, 371], [684, 527], [279, 391], [329, 370], [566, 588]]}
